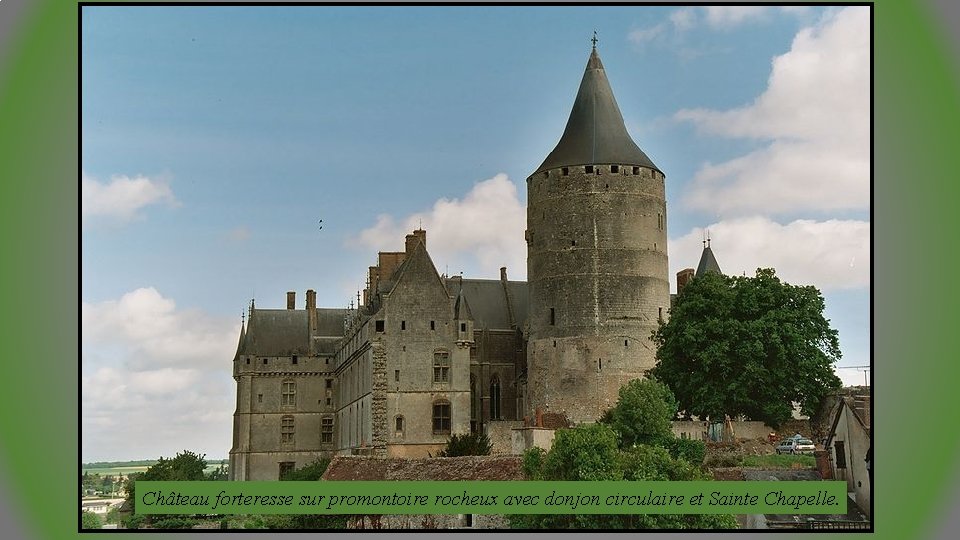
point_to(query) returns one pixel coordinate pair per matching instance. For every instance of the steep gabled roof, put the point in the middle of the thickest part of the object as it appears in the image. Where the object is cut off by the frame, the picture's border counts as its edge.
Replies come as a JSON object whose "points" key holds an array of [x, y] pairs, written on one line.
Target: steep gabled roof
{"points": [[595, 131]]}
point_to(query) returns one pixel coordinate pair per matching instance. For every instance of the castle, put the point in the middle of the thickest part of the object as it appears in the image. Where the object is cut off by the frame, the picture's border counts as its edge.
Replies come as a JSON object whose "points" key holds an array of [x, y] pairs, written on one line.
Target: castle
{"points": [[425, 356]]}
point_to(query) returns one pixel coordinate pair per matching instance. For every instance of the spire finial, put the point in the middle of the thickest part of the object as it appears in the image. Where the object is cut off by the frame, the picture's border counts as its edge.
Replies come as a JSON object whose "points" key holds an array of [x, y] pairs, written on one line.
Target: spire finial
{"points": [[594, 39], [708, 237], [703, 238], [243, 318]]}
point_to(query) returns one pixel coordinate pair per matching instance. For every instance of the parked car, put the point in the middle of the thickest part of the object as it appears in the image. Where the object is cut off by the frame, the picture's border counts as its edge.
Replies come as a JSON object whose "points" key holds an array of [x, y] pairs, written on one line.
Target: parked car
{"points": [[795, 445]]}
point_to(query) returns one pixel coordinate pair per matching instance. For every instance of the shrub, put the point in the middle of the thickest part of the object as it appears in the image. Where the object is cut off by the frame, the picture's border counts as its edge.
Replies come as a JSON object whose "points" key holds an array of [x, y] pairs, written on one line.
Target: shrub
{"points": [[468, 444], [689, 449]]}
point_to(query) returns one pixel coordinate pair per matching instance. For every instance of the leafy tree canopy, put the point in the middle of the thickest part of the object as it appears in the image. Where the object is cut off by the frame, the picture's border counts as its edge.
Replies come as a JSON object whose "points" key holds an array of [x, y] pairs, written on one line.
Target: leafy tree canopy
{"points": [[185, 466], [89, 520], [750, 346], [643, 413], [589, 452]]}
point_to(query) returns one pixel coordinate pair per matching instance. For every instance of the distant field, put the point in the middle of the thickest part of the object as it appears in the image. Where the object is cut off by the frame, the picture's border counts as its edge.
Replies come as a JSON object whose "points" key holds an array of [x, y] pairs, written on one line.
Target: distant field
{"points": [[126, 470]]}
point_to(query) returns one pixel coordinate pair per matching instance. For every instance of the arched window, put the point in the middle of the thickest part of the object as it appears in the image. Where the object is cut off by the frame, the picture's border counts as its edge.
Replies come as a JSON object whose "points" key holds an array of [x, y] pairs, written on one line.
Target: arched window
{"points": [[441, 366], [288, 393], [286, 429], [495, 398], [441, 417]]}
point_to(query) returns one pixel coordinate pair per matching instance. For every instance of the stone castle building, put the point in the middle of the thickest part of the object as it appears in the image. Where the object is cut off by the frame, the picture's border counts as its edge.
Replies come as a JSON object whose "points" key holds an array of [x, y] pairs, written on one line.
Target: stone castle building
{"points": [[425, 356]]}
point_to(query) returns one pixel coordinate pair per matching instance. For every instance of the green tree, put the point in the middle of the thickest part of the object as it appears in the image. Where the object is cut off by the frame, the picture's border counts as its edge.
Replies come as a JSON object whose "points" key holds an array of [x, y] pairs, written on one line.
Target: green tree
{"points": [[643, 413], [750, 346], [185, 466], [590, 452], [468, 444], [89, 520], [219, 474]]}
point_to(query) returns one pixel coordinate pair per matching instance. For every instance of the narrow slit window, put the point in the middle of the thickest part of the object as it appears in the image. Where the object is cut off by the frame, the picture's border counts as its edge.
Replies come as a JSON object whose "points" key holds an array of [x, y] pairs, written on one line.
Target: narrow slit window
{"points": [[403, 325], [553, 317], [565, 171], [396, 375], [433, 325], [294, 360]]}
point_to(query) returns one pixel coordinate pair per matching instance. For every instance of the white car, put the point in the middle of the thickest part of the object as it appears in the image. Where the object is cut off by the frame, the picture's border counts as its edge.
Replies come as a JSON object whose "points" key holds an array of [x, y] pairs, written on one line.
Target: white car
{"points": [[796, 446]]}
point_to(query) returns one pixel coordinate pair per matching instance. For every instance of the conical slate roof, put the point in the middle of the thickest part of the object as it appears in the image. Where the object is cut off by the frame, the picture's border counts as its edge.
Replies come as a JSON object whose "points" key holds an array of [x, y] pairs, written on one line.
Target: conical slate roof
{"points": [[595, 133], [708, 263]]}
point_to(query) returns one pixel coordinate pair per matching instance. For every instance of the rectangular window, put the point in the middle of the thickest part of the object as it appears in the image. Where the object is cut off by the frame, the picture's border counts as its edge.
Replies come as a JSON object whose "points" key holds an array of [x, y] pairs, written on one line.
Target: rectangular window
{"points": [[441, 418], [636, 170], [553, 317], [660, 314], [328, 401], [294, 360], [433, 325], [326, 430], [396, 375], [841, 454], [588, 169], [441, 366], [565, 171], [463, 327], [329, 383], [286, 467], [614, 169], [288, 395], [379, 326], [403, 325], [399, 424], [259, 398], [286, 429], [264, 361], [248, 361]]}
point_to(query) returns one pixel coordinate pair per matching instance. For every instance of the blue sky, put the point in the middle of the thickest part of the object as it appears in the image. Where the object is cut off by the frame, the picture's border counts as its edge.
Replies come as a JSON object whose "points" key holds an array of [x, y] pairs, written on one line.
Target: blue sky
{"points": [[214, 139]]}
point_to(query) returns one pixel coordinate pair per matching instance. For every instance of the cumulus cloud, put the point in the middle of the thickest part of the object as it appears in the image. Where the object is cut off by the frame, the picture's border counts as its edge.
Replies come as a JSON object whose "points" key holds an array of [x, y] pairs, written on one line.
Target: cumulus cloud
{"points": [[719, 17], [155, 379], [122, 198], [833, 254], [814, 118], [476, 234]]}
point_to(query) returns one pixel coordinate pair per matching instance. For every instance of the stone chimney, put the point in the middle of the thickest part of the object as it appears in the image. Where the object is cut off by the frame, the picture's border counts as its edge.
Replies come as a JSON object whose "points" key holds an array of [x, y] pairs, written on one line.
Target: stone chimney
{"points": [[312, 311], [418, 235], [683, 277], [291, 300]]}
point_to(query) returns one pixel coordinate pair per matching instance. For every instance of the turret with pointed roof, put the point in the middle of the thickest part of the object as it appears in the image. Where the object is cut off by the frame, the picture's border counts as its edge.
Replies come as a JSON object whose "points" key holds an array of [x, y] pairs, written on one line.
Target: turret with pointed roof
{"points": [[595, 132], [597, 259]]}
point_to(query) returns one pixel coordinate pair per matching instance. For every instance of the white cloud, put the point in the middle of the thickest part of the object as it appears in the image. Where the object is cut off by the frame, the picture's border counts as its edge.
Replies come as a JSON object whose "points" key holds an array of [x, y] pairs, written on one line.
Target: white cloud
{"points": [[815, 117], [729, 16], [155, 379], [683, 18], [152, 333], [476, 234], [644, 35], [833, 254], [122, 198]]}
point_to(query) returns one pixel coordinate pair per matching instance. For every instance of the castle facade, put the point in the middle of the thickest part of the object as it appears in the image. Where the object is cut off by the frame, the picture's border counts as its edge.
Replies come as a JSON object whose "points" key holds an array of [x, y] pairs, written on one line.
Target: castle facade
{"points": [[425, 356]]}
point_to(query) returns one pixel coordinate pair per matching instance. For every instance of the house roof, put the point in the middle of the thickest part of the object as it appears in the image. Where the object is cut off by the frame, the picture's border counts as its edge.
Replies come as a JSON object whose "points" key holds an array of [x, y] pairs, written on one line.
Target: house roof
{"points": [[285, 332], [848, 402], [488, 302], [451, 468], [595, 131]]}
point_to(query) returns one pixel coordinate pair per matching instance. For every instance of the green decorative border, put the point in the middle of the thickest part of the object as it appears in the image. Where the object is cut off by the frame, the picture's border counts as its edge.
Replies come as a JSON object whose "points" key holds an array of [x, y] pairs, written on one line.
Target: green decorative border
{"points": [[916, 132]]}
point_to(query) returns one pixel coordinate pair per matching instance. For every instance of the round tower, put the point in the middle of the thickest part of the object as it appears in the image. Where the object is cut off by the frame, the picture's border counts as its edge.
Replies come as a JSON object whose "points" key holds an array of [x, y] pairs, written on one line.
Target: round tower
{"points": [[596, 259]]}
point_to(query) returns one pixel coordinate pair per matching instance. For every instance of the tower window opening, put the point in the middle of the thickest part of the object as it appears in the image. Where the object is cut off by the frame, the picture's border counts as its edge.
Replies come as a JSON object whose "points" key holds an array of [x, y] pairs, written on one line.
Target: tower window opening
{"points": [[546, 174], [588, 169], [403, 325], [614, 168], [379, 326], [573, 243], [433, 325], [626, 343], [396, 375], [606, 186], [463, 327], [264, 361], [565, 171], [554, 343], [599, 364], [660, 314], [553, 317], [259, 398], [248, 361], [636, 170], [294, 359]]}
